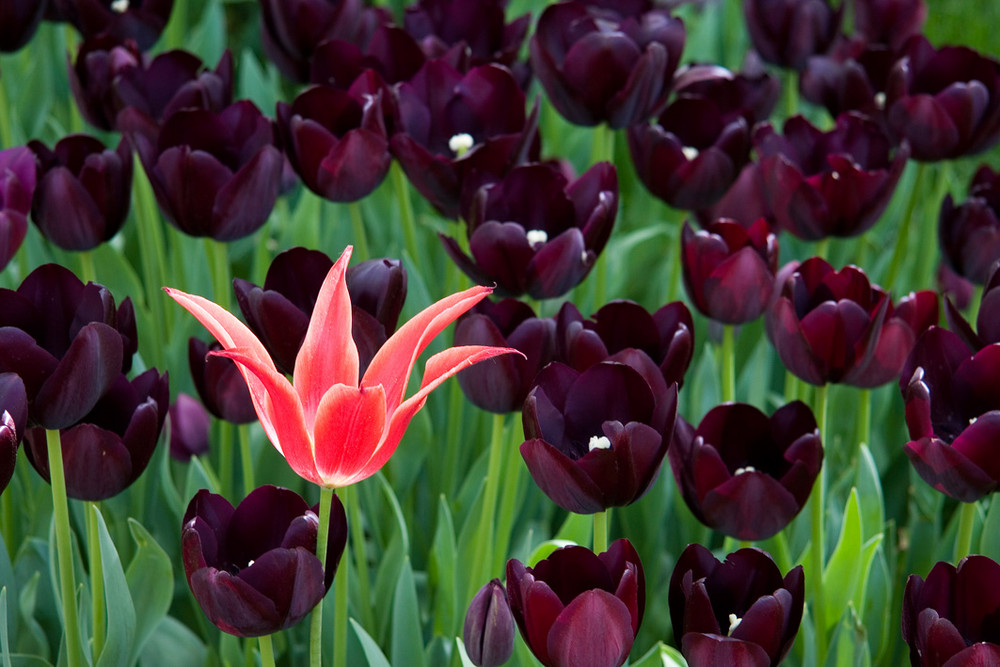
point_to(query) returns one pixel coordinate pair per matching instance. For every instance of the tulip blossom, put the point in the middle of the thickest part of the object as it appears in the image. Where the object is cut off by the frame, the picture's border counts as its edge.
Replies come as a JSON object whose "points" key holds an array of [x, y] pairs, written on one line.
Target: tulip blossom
{"points": [[744, 201], [17, 186], [787, 32], [333, 428], [852, 77], [189, 428], [391, 55], [13, 419], [969, 233], [219, 383], [141, 20], [18, 21], [488, 632], [889, 22]]}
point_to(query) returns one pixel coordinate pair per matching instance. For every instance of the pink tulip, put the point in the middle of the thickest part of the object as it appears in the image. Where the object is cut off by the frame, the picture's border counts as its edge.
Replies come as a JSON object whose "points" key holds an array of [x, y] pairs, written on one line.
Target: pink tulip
{"points": [[332, 429]]}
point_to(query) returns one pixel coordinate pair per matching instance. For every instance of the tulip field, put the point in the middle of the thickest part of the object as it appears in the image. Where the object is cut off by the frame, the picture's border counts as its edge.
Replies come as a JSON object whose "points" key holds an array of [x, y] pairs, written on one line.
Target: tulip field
{"points": [[591, 333]]}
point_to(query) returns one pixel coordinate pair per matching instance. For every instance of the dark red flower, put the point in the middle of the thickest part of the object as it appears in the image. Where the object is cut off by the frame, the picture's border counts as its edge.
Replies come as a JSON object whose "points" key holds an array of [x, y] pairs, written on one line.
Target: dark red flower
{"points": [[140, 20], [787, 32], [488, 632], [219, 383], [18, 175], [13, 420], [18, 21], [888, 22], [391, 53], [852, 77], [173, 81], [253, 569], [189, 428], [744, 202], [970, 232], [560, 601]]}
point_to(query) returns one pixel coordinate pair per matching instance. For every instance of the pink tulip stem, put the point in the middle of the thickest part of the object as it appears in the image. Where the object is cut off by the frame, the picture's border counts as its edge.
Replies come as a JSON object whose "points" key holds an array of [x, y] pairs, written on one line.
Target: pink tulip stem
{"points": [[817, 554], [406, 214], [728, 364], [96, 568], [342, 586], [266, 651], [361, 251], [903, 235], [966, 524], [316, 627], [601, 521], [246, 458], [64, 549]]}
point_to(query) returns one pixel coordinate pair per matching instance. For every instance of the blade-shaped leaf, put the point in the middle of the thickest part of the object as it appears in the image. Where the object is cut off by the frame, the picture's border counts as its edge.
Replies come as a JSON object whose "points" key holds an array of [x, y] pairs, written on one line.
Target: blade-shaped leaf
{"points": [[120, 610], [407, 643], [150, 578]]}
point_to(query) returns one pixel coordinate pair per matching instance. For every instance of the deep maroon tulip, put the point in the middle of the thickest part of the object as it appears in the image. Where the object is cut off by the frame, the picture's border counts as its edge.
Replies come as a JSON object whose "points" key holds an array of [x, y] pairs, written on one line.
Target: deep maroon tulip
{"points": [[8, 448], [597, 439], [666, 336], [18, 175], [822, 184], [83, 192], [598, 67], [739, 460], [752, 92], [279, 312], [189, 428], [535, 232], [253, 569], [787, 32], [100, 61], [67, 341], [744, 202], [213, 174], [488, 632], [336, 141], [501, 387], [391, 52], [852, 77], [835, 326], [18, 21], [107, 450], [219, 383], [955, 288], [741, 612], [888, 22], [456, 129], [952, 617], [13, 420], [970, 232], [945, 102], [578, 609], [729, 270], [141, 20], [987, 318]]}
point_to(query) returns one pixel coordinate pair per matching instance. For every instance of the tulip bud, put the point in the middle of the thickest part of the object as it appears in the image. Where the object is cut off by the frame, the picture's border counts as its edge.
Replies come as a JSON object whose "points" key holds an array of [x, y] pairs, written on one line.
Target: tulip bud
{"points": [[219, 383], [17, 186], [189, 428], [489, 627], [969, 233]]}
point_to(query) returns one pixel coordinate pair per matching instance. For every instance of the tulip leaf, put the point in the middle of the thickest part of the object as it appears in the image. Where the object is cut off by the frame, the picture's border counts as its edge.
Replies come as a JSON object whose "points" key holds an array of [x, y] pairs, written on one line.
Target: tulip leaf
{"points": [[199, 478], [120, 610], [849, 647], [441, 572], [4, 634], [877, 600], [173, 643], [869, 487], [30, 637], [208, 38], [661, 655], [463, 654], [407, 641], [989, 542], [841, 574], [373, 654], [545, 549], [254, 82], [577, 528], [150, 578], [8, 623]]}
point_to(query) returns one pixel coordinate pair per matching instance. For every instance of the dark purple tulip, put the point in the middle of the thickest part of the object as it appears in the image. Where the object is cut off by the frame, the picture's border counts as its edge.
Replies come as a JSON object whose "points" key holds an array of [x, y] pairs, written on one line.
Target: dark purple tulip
{"points": [[945, 102], [67, 342], [100, 62], [666, 336], [597, 439], [729, 270], [279, 312], [141, 20], [502, 386], [18, 21], [219, 383], [835, 183], [952, 617], [852, 77], [969, 233], [9, 439], [189, 428], [535, 232], [787, 32], [489, 627], [744, 202], [336, 141], [391, 52], [597, 66], [83, 192], [751, 93], [888, 22], [13, 420], [835, 326], [987, 318], [18, 175], [741, 612], [578, 609], [107, 450], [213, 174], [457, 130], [253, 569], [739, 460], [957, 289]]}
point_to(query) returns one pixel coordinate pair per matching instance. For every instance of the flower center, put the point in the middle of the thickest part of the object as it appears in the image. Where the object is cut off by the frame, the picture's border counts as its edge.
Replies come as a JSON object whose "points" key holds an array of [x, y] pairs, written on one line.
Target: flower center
{"points": [[537, 237], [880, 100], [461, 143], [690, 152], [598, 442], [119, 6], [740, 471], [734, 622]]}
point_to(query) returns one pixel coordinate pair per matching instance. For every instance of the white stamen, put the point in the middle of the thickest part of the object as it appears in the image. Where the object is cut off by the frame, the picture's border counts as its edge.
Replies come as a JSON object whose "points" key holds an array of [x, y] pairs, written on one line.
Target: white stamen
{"points": [[599, 442], [740, 471], [973, 420], [120, 6], [835, 175], [880, 100], [250, 563], [536, 237], [461, 143], [734, 623], [690, 152]]}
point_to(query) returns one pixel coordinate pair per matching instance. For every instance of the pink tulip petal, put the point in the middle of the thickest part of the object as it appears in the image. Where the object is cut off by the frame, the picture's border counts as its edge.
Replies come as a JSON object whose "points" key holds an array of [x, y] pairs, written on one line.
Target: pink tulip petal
{"points": [[349, 425], [328, 355]]}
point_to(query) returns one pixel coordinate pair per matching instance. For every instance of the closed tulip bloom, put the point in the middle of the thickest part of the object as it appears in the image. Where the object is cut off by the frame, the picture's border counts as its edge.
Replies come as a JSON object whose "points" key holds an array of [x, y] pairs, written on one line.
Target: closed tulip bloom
{"points": [[253, 568], [970, 232], [189, 428], [579, 609], [744, 201], [391, 53], [100, 61], [140, 20], [945, 102], [601, 67], [488, 632], [17, 187], [741, 612], [536, 232], [213, 174], [18, 21], [752, 92], [67, 342], [336, 141], [889, 22], [13, 421], [728, 270], [787, 32], [107, 450], [84, 191], [835, 326], [822, 184], [739, 460], [852, 77], [219, 383]]}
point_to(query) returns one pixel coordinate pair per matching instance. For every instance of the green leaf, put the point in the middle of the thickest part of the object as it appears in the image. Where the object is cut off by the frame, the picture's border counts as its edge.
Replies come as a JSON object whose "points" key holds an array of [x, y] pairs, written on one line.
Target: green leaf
{"points": [[373, 654], [989, 542], [577, 528], [150, 578], [254, 83], [841, 574], [173, 643], [441, 572], [8, 623], [849, 647], [407, 643], [31, 637], [463, 654], [878, 602], [661, 655], [869, 486], [545, 549], [4, 635], [199, 478], [120, 610]]}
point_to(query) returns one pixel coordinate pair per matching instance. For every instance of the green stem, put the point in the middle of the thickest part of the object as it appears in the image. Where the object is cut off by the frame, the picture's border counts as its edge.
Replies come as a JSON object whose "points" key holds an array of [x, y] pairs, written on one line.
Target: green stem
{"points": [[352, 506], [791, 94], [864, 418], [360, 235], [64, 549], [601, 520], [817, 546], [603, 149], [406, 214], [266, 651], [791, 387], [88, 274], [966, 522], [484, 545], [823, 248], [512, 477], [316, 626], [728, 364], [152, 255], [6, 131], [218, 266], [340, 599], [98, 608], [903, 235], [453, 439], [226, 458], [246, 458], [7, 523]]}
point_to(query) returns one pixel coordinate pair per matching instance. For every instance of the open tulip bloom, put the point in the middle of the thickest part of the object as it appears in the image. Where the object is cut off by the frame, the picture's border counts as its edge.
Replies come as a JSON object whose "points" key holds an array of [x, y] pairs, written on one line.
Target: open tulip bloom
{"points": [[332, 429]]}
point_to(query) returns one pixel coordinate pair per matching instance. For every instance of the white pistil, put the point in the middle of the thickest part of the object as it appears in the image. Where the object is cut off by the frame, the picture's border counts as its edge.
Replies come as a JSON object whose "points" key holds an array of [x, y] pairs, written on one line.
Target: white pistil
{"points": [[740, 471], [536, 237], [835, 175], [461, 143], [690, 152], [120, 6], [599, 442], [734, 623], [880, 100]]}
